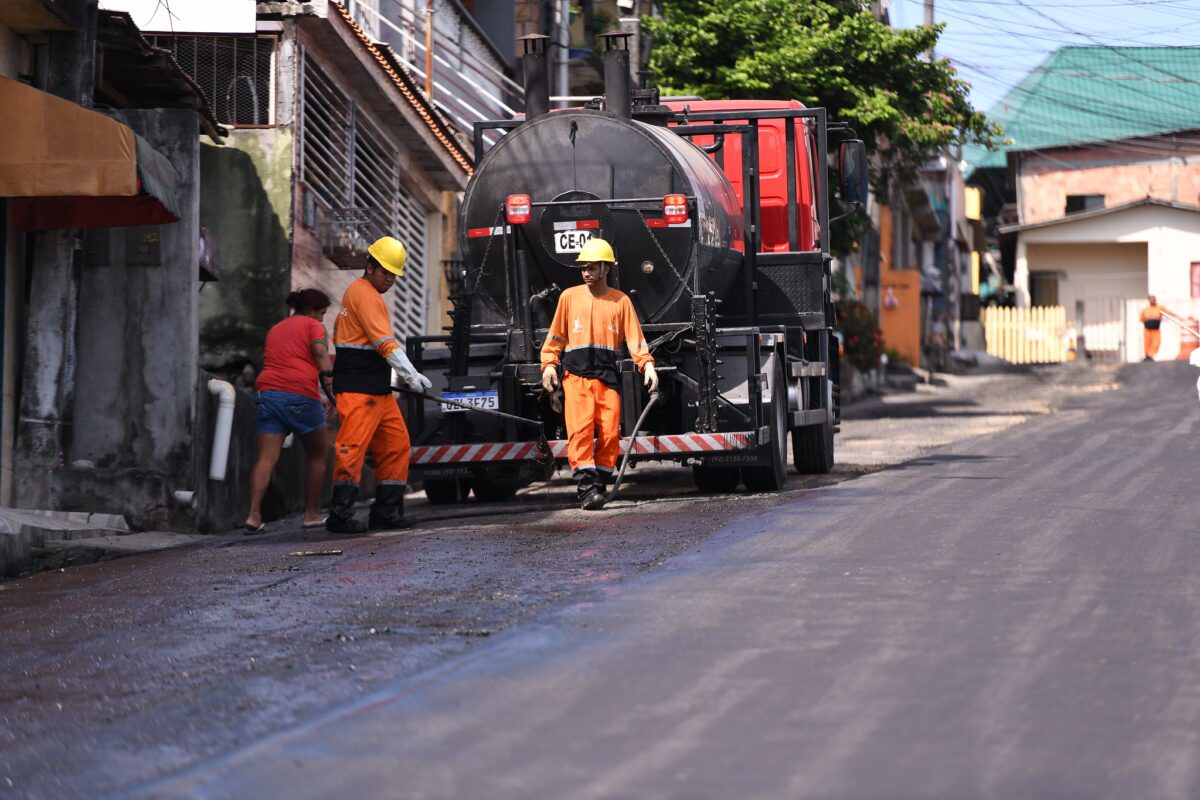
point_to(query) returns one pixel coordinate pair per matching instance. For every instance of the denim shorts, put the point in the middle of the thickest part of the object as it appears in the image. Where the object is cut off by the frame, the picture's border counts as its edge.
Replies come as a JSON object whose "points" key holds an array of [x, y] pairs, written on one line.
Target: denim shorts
{"points": [[285, 412]]}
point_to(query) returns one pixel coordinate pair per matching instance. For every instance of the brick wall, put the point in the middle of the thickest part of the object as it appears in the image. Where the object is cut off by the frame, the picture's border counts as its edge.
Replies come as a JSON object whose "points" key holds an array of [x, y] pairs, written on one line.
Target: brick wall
{"points": [[1121, 176]]}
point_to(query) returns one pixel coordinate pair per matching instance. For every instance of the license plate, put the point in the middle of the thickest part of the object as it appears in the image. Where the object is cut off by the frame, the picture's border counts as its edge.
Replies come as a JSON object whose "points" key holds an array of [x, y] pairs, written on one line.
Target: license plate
{"points": [[473, 399], [571, 241]]}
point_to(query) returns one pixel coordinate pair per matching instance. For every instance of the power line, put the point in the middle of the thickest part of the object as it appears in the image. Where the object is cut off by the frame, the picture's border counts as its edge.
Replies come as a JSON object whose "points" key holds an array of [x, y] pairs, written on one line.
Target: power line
{"points": [[1056, 38], [993, 25], [1124, 4], [1118, 50]]}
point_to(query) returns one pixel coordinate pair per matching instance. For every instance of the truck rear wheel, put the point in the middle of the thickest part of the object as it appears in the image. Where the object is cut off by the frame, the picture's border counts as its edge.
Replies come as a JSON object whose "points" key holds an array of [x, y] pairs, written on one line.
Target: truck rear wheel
{"points": [[773, 476], [812, 448], [716, 480], [446, 492]]}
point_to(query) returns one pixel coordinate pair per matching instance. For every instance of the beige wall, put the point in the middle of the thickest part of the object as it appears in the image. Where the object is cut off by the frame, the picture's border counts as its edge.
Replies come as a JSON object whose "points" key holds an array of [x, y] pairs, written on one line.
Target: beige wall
{"points": [[1101, 280], [1120, 176], [1092, 270]]}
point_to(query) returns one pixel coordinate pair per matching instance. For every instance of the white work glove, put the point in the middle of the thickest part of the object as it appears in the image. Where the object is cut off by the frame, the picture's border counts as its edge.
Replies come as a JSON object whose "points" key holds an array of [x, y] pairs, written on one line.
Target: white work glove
{"points": [[407, 372], [549, 378], [651, 377]]}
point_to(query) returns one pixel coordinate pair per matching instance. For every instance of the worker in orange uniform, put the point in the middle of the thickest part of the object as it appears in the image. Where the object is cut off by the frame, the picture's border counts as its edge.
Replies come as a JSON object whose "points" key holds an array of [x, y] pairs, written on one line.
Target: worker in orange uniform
{"points": [[367, 352], [591, 323], [1152, 320]]}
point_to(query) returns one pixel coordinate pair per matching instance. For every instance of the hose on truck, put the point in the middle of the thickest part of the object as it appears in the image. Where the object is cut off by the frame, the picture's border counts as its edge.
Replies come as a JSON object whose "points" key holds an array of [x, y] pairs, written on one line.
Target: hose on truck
{"points": [[632, 446]]}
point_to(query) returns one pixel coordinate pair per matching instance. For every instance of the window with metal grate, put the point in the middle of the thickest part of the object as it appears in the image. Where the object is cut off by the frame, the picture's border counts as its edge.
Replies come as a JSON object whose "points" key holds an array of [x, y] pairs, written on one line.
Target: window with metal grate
{"points": [[410, 301], [235, 72], [326, 135], [353, 193]]}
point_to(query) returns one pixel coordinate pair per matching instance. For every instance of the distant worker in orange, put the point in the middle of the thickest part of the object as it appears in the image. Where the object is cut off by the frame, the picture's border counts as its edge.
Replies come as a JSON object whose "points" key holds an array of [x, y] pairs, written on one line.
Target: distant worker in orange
{"points": [[1152, 320], [367, 352], [590, 325]]}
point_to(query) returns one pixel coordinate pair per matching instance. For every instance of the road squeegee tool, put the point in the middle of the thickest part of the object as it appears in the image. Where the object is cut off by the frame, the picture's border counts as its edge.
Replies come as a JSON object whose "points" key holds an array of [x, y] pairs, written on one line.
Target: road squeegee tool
{"points": [[543, 455]]}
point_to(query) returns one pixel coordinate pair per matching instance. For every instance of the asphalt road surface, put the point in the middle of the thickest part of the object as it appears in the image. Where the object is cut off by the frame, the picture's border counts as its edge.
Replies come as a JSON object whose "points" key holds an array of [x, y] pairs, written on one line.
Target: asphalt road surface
{"points": [[1010, 615], [1016, 615]]}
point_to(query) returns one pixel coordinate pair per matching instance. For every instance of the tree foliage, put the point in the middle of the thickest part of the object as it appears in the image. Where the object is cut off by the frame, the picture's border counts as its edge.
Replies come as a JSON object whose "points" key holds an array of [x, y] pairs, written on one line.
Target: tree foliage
{"points": [[830, 53]]}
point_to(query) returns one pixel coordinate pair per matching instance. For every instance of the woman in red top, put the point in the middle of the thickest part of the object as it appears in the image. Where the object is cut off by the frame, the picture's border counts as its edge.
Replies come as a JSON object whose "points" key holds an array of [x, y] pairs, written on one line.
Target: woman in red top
{"points": [[295, 361]]}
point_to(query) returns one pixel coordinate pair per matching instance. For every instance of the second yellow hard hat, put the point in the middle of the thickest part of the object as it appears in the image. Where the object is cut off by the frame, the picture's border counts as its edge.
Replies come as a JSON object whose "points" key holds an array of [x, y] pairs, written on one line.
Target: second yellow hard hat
{"points": [[596, 250]]}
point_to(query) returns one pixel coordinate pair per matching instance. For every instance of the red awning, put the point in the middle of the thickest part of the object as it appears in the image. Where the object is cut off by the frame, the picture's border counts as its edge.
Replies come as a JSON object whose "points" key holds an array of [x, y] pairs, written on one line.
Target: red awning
{"points": [[69, 167]]}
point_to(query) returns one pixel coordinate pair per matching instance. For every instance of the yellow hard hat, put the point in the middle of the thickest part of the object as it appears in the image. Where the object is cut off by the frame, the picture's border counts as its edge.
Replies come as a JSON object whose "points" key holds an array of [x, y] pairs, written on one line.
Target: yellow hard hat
{"points": [[390, 254], [596, 250]]}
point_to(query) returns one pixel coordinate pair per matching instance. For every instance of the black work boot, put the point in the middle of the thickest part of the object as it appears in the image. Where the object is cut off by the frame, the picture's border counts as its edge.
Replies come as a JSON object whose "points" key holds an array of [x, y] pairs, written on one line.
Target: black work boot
{"points": [[387, 512], [588, 488], [598, 495], [341, 521], [585, 481]]}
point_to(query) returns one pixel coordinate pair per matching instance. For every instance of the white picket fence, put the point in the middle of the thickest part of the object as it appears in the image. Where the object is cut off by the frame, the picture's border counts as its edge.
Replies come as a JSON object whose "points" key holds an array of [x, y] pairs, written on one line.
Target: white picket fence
{"points": [[1027, 335]]}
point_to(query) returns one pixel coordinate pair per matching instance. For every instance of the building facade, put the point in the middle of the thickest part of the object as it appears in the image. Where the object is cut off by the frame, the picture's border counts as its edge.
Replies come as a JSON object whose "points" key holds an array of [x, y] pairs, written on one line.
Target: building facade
{"points": [[1100, 184], [332, 145], [104, 408]]}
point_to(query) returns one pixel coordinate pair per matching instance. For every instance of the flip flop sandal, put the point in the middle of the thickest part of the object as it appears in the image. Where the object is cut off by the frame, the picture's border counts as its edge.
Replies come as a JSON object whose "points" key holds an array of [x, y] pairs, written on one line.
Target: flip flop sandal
{"points": [[253, 529], [320, 524]]}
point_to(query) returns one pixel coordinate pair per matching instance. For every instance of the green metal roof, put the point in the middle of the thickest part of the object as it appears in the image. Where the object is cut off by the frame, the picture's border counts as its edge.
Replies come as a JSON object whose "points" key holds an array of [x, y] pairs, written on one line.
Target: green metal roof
{"points": [[1095, 94]]}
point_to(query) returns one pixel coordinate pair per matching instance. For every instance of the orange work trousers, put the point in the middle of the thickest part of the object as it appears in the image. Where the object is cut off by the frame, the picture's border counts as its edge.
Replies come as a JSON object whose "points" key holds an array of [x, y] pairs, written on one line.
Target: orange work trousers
{"points": [[1151, 341], [370, 422], [593, 412]]}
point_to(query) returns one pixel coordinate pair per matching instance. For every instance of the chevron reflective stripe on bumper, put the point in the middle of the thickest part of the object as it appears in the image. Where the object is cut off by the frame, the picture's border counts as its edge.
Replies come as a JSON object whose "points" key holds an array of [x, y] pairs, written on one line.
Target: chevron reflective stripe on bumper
{"points": [[678, 445]]}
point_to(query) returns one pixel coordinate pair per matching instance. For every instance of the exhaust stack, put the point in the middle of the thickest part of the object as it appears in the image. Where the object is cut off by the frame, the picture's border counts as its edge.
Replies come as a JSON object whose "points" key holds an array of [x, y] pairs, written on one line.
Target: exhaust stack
{"points": [[618, 97], [536, 74]]}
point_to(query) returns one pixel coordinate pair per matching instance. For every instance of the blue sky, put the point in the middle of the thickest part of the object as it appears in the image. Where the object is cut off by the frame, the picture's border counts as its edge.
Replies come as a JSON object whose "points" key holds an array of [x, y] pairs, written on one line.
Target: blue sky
{"points": [[994, 43]]}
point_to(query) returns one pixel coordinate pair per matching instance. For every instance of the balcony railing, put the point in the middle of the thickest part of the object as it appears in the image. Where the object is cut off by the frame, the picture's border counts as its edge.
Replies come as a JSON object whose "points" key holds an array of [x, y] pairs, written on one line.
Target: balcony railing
{"points": [[465, 86]]}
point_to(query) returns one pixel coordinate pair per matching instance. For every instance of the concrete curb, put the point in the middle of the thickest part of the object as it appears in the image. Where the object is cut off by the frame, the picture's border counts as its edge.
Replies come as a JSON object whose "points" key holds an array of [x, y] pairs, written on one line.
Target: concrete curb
{"points": [[24, 530]]}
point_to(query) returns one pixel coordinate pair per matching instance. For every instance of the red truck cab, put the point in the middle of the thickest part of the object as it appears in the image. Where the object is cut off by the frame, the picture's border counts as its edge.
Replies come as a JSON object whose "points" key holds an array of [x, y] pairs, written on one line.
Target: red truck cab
{"points": [[772, 161]]}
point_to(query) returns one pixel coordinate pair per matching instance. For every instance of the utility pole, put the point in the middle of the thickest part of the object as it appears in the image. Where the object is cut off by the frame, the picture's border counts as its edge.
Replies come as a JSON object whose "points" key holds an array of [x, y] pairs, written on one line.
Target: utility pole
{"points": [[564, 50], [929, 23]]}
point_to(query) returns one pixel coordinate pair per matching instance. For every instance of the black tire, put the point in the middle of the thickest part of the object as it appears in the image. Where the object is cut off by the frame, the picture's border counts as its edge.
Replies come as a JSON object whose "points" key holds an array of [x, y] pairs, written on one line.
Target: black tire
{"points": [[812, 448], [772, 477], [716, 480], [447, 491]]}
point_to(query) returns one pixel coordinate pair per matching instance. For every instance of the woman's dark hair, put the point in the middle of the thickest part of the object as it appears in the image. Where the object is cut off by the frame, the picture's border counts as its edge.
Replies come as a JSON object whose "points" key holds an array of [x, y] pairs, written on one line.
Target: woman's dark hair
{"points": [[307, 300]]}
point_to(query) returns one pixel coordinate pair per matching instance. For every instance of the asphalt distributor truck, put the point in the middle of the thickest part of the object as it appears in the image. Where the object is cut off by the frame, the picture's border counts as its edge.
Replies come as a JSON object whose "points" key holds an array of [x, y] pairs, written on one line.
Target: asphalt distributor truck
{"points": [[719, 215]]}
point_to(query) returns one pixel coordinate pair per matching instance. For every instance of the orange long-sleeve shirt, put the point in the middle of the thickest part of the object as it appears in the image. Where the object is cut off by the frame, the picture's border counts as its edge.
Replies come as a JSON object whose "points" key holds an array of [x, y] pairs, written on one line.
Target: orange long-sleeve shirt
{"points": [[1153, 314], [363, 338], [587, 332]]}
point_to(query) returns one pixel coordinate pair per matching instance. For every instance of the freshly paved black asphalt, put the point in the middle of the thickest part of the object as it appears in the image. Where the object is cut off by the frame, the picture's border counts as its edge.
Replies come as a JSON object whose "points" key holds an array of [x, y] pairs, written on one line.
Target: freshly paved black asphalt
{"points": [[1014, 616]]}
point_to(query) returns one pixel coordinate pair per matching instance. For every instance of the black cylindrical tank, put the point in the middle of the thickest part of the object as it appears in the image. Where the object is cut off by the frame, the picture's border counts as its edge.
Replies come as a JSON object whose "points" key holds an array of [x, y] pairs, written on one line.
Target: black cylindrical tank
{"points": [[593, 155]]}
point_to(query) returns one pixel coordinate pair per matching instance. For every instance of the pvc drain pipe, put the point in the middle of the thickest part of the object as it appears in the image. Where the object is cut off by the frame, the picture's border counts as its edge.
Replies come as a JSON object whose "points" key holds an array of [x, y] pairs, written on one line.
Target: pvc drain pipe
{"points": [[224, 427]]}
